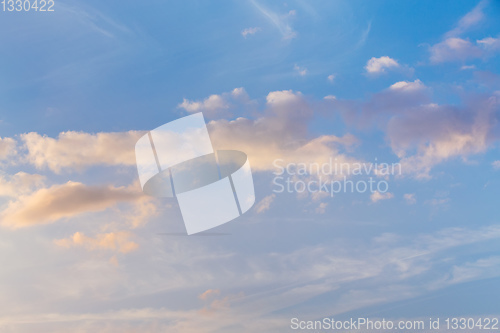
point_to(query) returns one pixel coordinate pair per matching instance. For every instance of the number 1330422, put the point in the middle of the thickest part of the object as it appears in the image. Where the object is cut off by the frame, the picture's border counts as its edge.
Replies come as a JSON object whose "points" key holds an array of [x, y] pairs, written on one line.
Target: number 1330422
{"points": [[27, 5]]}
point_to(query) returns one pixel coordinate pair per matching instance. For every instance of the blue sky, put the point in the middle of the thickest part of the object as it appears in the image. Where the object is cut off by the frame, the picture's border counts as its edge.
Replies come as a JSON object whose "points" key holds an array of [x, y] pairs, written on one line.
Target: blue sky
{"points": [[413, 82]]}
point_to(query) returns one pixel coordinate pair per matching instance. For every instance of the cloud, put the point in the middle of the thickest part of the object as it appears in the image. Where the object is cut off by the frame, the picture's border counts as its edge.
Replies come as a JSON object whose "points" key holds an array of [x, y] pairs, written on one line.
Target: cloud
{"points": [[281, 22], [264, 204], [209, 294], [407, 86], [20, 184], [279, 132], [321, 209], [143, 209], [410, 198], [74, 151], [441, 132], [454, 49], [112, 241], [377, 110], [496, 165], [302, 71], [490, 43], [465, 67], [213, 102], [331, 78], [250, 31], [421, 133], [377, 196], [7, 148], [58, 202], [216, 106], [470, 20], [380, 65]]}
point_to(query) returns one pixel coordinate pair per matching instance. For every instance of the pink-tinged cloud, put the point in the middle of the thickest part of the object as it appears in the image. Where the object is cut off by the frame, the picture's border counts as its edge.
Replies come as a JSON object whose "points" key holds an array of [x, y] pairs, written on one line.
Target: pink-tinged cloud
{"points": [[111, 241], [58, 202]]}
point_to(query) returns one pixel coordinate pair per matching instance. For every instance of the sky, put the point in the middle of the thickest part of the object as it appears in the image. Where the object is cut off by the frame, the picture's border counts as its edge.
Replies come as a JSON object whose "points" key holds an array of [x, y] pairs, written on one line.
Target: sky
{"points": [[414, 84]]}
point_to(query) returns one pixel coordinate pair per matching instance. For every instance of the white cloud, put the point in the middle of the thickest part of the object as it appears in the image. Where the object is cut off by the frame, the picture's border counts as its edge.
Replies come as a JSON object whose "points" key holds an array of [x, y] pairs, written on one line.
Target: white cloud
{"points": [[490, 43], [380, 65], [331, 77], [250, 31], [302, 71], [216, 106], [496, 165], [74, 151], [377, 196], [408, 85], [211, 103], [454, 49]]}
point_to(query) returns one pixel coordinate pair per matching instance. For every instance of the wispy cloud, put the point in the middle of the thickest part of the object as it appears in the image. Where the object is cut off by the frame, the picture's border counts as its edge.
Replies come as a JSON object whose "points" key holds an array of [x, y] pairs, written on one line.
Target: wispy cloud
{"points": [[281, 22], [470, 20]]}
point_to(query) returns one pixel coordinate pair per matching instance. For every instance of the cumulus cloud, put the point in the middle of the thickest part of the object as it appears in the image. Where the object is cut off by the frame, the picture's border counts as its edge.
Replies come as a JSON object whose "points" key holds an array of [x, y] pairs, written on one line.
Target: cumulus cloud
{"points": [[48, 205], [20, 184], [380, 65], [78, 150], [213, 102], [377, 196], [441, 132], [216, 106], [7, 148], [422, 133], [454, 49], [112, 241], [375, 112], [407, 86], [331, 77], [250, 31], [281, 132]]}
